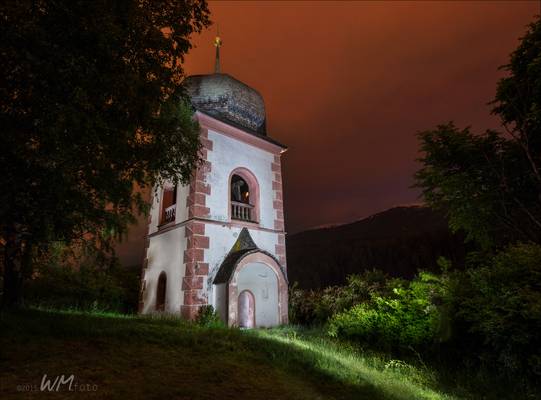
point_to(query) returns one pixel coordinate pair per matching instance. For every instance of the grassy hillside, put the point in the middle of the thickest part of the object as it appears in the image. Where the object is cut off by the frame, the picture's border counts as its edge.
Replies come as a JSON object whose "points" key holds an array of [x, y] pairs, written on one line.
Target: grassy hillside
{"points": [[128, 357]]}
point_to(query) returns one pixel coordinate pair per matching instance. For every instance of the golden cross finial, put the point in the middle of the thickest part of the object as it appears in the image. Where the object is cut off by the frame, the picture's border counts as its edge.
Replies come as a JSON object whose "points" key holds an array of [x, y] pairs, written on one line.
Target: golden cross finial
{"points": [[217, 40], [217, 44]]}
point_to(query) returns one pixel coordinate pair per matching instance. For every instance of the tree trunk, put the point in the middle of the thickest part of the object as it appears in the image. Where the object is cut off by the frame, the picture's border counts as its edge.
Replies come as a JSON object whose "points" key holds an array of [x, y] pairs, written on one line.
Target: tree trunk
{"points": [[17, 261]]}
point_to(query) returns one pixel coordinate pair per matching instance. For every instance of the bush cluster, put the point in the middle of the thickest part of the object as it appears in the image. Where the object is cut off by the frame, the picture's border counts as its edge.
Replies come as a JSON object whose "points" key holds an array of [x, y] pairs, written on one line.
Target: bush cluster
{"points": [[315, 307], [91, 286], [500, 303], [488, 315], [407, 317]]}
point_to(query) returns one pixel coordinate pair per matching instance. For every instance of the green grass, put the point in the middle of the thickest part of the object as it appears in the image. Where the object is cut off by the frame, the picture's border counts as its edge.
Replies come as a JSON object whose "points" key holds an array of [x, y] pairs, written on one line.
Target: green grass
{"points": [[130, 357]]}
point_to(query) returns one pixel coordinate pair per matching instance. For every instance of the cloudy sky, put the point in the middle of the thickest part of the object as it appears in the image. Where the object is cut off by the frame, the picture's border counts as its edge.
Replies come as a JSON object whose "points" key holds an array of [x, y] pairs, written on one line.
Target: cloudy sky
{"points": [[348, 84]]}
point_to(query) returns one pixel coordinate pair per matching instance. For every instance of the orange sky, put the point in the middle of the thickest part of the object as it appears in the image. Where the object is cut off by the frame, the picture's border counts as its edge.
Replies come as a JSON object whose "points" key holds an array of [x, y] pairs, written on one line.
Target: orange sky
{"points": [[348, 84]]}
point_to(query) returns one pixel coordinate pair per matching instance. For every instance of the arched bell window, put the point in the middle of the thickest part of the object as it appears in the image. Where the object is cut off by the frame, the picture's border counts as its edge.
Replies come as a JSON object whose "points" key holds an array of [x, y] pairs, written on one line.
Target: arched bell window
{"points": [[161, 292], [244, 196], [240, 191]]}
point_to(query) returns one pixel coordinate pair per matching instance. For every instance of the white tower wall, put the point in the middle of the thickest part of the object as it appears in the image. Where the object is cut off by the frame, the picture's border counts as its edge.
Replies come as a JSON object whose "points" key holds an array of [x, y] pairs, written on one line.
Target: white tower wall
{"points": [[191, 248]]}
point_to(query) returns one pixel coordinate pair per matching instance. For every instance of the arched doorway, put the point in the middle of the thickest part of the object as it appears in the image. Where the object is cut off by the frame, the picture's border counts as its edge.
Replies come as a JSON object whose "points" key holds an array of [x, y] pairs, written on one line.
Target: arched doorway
{"points": [[248, 268], [261, 282], [160, 292], [246, 309]]}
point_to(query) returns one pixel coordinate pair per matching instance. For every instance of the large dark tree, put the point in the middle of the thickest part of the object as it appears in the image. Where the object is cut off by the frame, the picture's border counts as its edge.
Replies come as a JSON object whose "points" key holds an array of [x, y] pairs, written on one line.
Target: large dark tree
{"points": [[91, 108], [490, 184]]}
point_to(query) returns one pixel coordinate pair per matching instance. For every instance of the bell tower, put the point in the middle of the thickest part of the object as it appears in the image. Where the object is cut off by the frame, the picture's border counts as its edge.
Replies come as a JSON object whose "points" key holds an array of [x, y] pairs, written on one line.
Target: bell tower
{"points": [[220, 240]]}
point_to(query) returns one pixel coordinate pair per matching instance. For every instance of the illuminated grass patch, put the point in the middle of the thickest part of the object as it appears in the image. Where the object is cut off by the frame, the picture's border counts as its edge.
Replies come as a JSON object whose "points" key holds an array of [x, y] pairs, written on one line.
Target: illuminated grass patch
{"points": [[394, 379], [165, 357]]}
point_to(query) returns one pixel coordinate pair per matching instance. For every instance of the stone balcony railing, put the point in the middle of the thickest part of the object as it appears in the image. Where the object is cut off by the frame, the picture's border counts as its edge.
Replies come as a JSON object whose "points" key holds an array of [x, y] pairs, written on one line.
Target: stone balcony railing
{"points": [[170, 214], [242, 211]]}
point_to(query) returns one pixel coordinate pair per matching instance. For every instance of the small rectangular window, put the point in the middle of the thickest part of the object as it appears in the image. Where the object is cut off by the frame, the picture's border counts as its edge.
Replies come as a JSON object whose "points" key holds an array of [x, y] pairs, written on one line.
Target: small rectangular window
{"points": [[169, 201]]}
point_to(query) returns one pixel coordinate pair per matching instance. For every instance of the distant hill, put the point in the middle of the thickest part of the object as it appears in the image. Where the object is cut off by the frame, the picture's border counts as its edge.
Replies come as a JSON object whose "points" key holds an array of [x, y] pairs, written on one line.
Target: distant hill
{"points": [[398, 241]]}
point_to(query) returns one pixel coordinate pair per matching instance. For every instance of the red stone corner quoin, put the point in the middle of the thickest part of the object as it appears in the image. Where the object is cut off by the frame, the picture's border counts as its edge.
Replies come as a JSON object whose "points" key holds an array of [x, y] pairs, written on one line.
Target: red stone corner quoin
{"points": [[196, 269], [278, 205]]}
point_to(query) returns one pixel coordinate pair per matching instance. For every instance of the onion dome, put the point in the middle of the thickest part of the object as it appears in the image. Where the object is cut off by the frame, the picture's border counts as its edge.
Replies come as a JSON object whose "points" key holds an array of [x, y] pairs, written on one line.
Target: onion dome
{"points": [[227, 99]]}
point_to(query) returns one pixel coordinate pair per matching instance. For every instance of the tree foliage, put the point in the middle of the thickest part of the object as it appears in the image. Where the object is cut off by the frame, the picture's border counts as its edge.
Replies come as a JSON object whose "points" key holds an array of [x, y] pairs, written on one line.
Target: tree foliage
{"points": [[490, 183], [518, 97], [91, 107], [57, 284], [500, 301], [481, 181]]}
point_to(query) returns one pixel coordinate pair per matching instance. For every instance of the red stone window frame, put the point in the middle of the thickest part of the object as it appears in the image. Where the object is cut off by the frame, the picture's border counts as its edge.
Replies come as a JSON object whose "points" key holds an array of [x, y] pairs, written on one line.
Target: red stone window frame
{"points": [[253, 187]]}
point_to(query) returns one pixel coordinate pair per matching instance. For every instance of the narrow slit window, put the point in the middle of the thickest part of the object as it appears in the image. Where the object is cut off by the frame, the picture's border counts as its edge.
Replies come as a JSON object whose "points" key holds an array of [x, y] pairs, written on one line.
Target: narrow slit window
{"points": [[161, 292]]}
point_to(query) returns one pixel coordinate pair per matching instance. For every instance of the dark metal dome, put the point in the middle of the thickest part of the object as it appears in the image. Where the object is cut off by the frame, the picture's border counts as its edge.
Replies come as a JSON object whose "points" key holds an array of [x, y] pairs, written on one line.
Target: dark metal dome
{"points": [[227, 99]]}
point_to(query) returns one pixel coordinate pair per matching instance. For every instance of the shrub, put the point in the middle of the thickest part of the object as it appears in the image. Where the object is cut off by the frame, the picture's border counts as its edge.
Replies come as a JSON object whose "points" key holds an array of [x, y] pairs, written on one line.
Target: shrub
{"points": [[208, 317], [406, 318], [315, 307], [363, 287], [301, 308], [502, 305]]}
